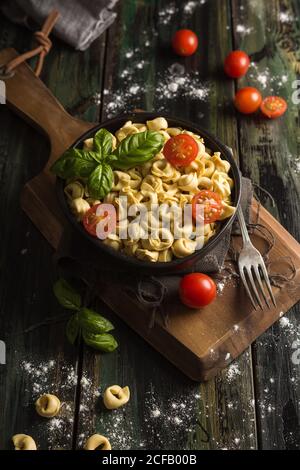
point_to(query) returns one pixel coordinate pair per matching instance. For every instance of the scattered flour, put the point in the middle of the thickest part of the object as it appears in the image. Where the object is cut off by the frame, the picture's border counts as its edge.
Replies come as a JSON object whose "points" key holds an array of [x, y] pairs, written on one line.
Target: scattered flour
{"points": [[265, 79], [286, 17], [284, 322], [190, 7], [243, 30], [227, 357], [173, 84], [167, 13], [232, 372]]}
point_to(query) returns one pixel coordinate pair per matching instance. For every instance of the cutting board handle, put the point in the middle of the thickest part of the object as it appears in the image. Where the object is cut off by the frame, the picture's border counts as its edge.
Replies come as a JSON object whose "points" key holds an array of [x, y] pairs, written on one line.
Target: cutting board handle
{"points": [[29, 97]]}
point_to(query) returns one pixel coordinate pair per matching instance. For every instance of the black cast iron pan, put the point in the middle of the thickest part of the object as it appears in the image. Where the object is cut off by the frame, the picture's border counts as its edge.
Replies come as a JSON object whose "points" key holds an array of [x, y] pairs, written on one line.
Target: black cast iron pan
{"points": [[131, 263]]}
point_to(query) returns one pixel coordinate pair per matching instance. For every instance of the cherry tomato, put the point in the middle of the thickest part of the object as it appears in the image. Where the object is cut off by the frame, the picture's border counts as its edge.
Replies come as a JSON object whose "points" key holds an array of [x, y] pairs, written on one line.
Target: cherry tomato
{"points": [[185, 42], [181, 150], [91, 219], [247, 100], [273, 106], [197, 290], [212, 203], [236, 64]]}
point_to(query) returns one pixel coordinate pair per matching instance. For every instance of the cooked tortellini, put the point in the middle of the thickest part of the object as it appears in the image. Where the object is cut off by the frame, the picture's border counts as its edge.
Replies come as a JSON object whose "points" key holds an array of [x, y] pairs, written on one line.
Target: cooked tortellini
{"points": [[79, 207], [47, 405], [115, 397], [97, 442], [74, 190], [158, 237], [23, 442]]}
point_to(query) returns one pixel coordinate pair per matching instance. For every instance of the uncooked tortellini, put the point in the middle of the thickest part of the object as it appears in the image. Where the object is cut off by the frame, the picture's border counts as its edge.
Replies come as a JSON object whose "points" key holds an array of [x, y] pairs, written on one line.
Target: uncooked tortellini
{"points": [[47, 405], [115, 396], [23, 442], [97, 442]]}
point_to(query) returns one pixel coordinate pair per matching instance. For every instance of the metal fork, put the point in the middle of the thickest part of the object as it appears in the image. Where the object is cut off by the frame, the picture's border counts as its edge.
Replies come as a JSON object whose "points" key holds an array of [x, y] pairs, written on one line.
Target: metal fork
{"points": [[252, 268]]}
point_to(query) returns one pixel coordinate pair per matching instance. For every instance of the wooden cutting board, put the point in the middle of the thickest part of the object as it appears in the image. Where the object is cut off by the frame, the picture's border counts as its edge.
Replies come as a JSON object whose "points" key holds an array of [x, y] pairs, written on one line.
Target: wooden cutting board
{"points": [[199, 343]]}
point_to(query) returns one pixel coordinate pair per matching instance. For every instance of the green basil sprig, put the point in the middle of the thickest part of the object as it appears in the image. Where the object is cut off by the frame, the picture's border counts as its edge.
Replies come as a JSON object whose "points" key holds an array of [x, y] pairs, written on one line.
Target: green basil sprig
{"points": [[96, 164], [93, 327]]}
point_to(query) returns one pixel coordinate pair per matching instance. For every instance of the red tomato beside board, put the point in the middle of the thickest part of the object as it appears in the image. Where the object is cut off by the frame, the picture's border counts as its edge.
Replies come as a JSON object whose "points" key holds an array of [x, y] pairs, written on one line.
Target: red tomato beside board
{"points": [[236, 64], [181, 150], [185, 42], [197, 290], [247, 100]]}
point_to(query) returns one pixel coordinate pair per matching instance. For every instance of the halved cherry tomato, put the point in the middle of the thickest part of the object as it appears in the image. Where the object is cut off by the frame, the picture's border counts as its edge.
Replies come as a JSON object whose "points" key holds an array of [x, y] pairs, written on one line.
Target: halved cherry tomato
{"points": [[197, 290], [247, 100], [91, 219], [236, 64], [273, 106], [181, 150], [185, 42], [212, 205]]}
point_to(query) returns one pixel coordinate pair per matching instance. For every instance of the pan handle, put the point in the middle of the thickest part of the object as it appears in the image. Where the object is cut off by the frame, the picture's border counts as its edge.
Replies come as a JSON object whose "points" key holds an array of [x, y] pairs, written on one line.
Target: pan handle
{"points": [[29, 97]]}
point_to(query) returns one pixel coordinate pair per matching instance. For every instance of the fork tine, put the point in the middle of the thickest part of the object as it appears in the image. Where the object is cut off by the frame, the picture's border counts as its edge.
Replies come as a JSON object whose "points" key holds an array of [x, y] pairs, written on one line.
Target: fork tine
{"points": [[249, 273], [242, 274], [267, 281], [258, 278]]}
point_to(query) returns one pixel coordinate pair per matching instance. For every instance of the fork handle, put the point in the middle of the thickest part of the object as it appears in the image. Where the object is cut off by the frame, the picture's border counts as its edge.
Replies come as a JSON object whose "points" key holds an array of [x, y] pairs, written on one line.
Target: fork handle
{"points": [[244, 230]]}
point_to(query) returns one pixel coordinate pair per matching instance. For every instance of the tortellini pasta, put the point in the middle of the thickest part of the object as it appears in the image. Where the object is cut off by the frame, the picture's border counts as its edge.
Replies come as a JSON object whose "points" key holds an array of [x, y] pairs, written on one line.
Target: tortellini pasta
{"points": [[97, 442], [47, 405], [158, 237], [79, 207], [23, 442], [115, 397], [183, 247]]}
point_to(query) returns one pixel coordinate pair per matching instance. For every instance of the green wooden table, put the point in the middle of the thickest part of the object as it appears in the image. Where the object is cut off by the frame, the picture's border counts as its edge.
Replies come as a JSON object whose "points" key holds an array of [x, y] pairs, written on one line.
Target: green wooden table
{"points": [[255, 403]]}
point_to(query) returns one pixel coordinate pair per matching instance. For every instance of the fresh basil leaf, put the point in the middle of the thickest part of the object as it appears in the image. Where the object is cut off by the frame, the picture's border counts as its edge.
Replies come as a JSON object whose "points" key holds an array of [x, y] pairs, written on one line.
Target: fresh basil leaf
{"points": [[73, 328], [103, 141], [66, 295], [137, 149], [94, 322], [75, 163], [100, 181], [103, 342], [110, 158]]}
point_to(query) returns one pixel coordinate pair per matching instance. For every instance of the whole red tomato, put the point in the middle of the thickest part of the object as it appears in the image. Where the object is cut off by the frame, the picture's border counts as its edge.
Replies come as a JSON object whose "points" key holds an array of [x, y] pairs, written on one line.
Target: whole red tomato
{"points": [[247, 100], [185, 42], [197, 290], [236, 64]]}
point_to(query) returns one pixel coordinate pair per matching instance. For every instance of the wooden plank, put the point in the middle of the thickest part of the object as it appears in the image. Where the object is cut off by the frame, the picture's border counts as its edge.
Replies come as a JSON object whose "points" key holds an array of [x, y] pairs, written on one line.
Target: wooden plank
{"points": [[40, 360], [166, 410], [270, 152]]}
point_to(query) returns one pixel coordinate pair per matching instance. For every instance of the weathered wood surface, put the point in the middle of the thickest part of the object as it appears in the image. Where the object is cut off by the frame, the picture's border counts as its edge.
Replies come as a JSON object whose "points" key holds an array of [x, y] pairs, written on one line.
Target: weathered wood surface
{"points": [[270, 156], [221, 413]]}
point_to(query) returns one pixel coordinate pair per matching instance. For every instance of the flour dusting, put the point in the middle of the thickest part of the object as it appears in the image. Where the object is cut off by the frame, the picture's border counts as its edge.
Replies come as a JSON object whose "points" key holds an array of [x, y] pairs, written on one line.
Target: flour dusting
{"points": [[173, 84]]}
